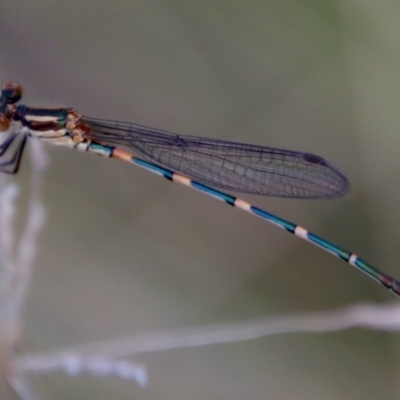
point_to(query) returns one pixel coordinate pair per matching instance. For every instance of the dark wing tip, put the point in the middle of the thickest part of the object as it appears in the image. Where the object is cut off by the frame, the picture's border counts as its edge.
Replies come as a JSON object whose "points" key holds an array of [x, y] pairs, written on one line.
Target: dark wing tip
{"points": [[339, 184]]}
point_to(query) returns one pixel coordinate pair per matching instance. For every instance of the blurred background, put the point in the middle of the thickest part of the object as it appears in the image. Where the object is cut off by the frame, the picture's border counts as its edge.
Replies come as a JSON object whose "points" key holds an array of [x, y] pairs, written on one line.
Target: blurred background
{"points": [[126, 252]]}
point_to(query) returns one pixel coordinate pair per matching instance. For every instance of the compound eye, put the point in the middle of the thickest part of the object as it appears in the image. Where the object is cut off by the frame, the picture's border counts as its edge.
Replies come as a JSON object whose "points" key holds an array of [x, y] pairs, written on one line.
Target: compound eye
{"points": [[4, 123], [11, 92]]}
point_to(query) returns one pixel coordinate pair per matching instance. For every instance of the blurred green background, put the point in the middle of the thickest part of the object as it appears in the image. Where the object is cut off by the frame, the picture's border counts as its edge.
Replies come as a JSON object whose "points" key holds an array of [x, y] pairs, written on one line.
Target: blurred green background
{"points": [[125, 252]]}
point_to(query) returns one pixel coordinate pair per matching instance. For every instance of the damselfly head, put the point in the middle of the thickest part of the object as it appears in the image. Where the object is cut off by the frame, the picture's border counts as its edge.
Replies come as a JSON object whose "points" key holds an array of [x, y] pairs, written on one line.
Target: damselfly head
{"points": [[11, 92]]}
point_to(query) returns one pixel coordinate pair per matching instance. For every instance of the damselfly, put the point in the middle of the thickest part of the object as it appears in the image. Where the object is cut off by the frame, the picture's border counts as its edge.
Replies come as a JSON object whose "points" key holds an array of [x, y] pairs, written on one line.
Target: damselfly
{"points": [[199, 162]]}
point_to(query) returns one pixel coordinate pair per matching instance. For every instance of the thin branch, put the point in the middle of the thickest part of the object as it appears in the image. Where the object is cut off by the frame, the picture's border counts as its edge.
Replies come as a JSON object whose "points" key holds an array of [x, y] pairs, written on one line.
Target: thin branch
{"points": [[26, 251], [16, 270], [7, 212], [22, 387], [379, 317]]}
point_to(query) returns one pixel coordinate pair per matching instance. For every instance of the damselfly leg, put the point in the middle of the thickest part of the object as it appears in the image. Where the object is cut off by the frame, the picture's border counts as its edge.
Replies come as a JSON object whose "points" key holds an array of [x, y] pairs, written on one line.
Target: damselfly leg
{"points": [[11, 150]]}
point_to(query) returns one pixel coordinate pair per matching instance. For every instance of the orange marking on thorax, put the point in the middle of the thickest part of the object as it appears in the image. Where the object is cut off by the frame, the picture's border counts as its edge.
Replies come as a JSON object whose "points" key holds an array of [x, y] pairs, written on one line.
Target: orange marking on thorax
{"points": [[122, 155]]}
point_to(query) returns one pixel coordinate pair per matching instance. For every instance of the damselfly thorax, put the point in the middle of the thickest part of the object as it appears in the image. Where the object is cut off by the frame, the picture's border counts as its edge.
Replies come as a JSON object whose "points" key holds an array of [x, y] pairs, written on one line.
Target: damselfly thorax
{"points": [[59, 126]]}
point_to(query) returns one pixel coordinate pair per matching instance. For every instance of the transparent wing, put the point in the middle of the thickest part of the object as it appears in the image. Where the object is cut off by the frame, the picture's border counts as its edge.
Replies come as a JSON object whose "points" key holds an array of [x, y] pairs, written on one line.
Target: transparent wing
{"points": [[228, 165]]}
